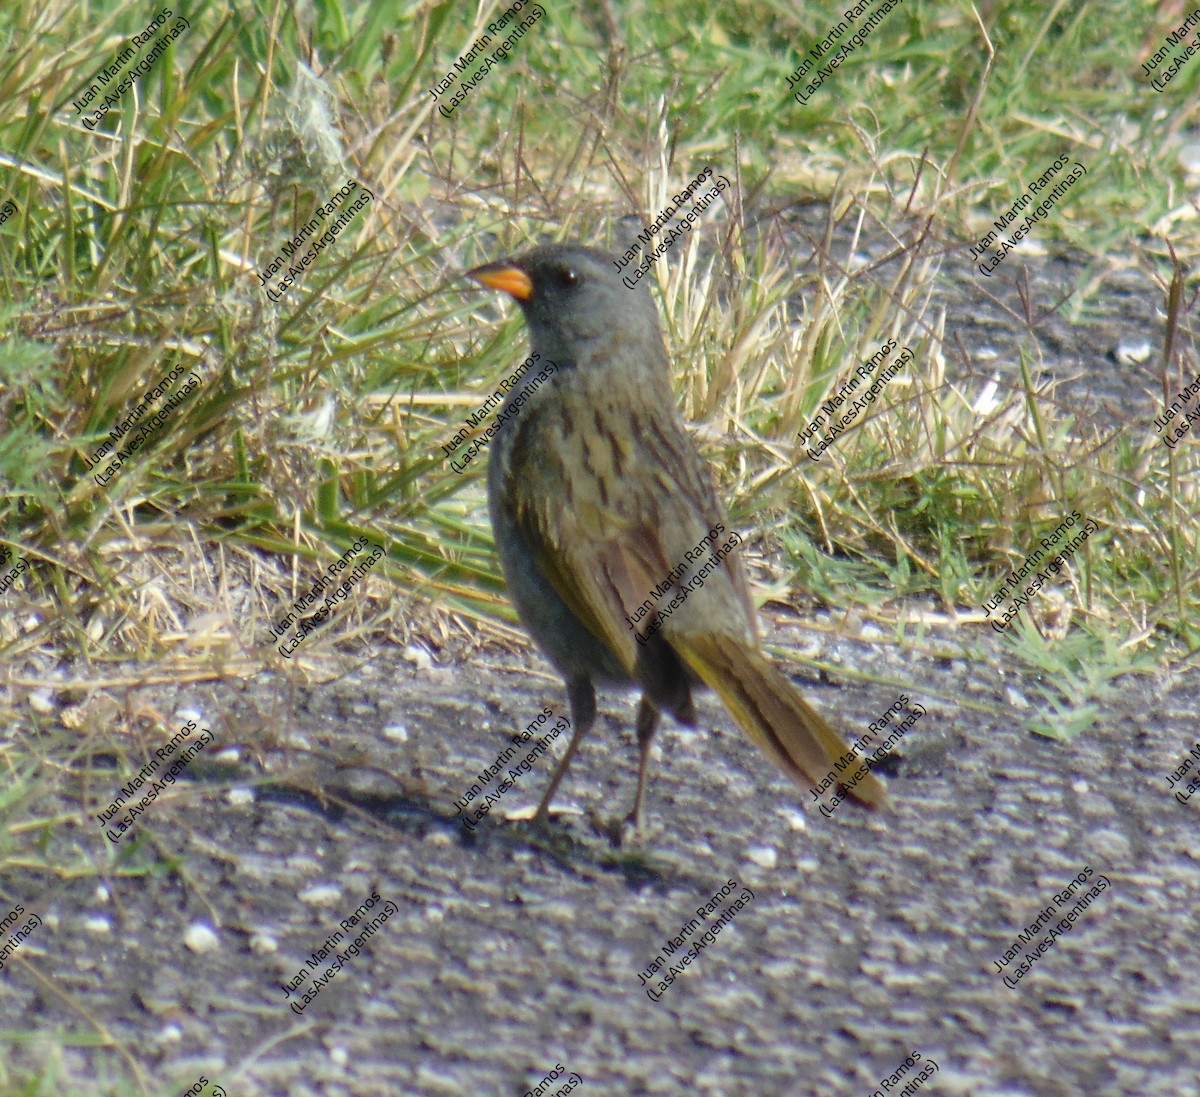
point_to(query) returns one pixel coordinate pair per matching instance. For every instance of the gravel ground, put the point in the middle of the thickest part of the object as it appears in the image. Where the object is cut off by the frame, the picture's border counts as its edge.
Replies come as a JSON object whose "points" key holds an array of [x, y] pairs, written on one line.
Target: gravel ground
{"points": [[988, 323], [510, 953]]}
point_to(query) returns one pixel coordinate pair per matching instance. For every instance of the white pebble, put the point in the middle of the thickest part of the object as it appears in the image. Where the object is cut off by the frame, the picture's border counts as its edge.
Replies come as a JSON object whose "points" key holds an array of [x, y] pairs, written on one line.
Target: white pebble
{"points": [[795, 819], [419, 657], [239, 797], [41, 701], [102, 895], [763, 856], [263, 943], [1015, 699], [339, 1055], [200, 938], [398, 733], [1189, 158], [1130, 353], [97, 925], [323, 895]]}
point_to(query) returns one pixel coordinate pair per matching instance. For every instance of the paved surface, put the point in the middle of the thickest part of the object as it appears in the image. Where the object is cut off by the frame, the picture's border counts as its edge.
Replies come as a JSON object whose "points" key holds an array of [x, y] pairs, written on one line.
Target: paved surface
{"points": [[1074, 316], [511, 954], [867, 937]]}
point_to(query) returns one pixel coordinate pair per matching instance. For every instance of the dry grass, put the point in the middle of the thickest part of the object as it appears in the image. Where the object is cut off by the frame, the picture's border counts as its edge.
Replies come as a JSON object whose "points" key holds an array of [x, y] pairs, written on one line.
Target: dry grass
{"points": [[320, 417]]}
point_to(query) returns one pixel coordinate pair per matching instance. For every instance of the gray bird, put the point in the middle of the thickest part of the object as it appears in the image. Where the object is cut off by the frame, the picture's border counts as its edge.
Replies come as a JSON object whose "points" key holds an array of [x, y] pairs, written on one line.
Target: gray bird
{"points": [[612, 541]]}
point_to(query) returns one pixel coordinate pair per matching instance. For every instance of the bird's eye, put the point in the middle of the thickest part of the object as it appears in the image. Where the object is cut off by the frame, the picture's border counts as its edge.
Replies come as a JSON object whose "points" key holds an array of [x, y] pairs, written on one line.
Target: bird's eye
{"points": [[567, 277]]}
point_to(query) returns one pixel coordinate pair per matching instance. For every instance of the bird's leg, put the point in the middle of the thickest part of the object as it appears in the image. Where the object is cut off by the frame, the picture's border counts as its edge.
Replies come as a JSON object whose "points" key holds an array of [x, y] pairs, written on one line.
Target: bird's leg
{"points": [[647, 724], [582, 698]]}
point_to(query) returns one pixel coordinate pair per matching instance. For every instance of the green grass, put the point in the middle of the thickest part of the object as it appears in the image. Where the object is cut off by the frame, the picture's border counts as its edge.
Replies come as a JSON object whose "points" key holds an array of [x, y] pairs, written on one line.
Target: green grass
{"points": [[134, 250]]}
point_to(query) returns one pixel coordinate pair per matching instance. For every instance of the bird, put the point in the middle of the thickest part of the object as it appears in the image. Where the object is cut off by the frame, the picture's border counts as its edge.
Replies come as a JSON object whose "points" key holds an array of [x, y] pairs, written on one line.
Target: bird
{"points": [[598, 499]]}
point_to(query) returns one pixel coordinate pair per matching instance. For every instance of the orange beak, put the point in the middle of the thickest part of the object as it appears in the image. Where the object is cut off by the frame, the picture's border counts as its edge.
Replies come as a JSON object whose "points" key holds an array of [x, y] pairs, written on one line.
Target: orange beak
{"points": [[504, 276]]}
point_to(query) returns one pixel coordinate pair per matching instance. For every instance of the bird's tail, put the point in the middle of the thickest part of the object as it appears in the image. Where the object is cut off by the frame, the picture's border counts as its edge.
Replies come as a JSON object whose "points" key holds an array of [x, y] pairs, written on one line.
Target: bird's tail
{"points": [[769, 709]]}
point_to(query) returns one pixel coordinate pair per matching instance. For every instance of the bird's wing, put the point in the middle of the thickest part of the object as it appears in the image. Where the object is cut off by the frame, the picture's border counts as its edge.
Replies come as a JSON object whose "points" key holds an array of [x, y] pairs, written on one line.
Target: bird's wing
{"points": [[610, 516], [610, 510]]}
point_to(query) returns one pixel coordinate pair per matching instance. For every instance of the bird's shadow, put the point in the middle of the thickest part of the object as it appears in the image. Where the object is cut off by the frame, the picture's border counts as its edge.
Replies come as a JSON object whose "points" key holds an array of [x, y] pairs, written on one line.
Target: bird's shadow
{"points": [[411, 812]]}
